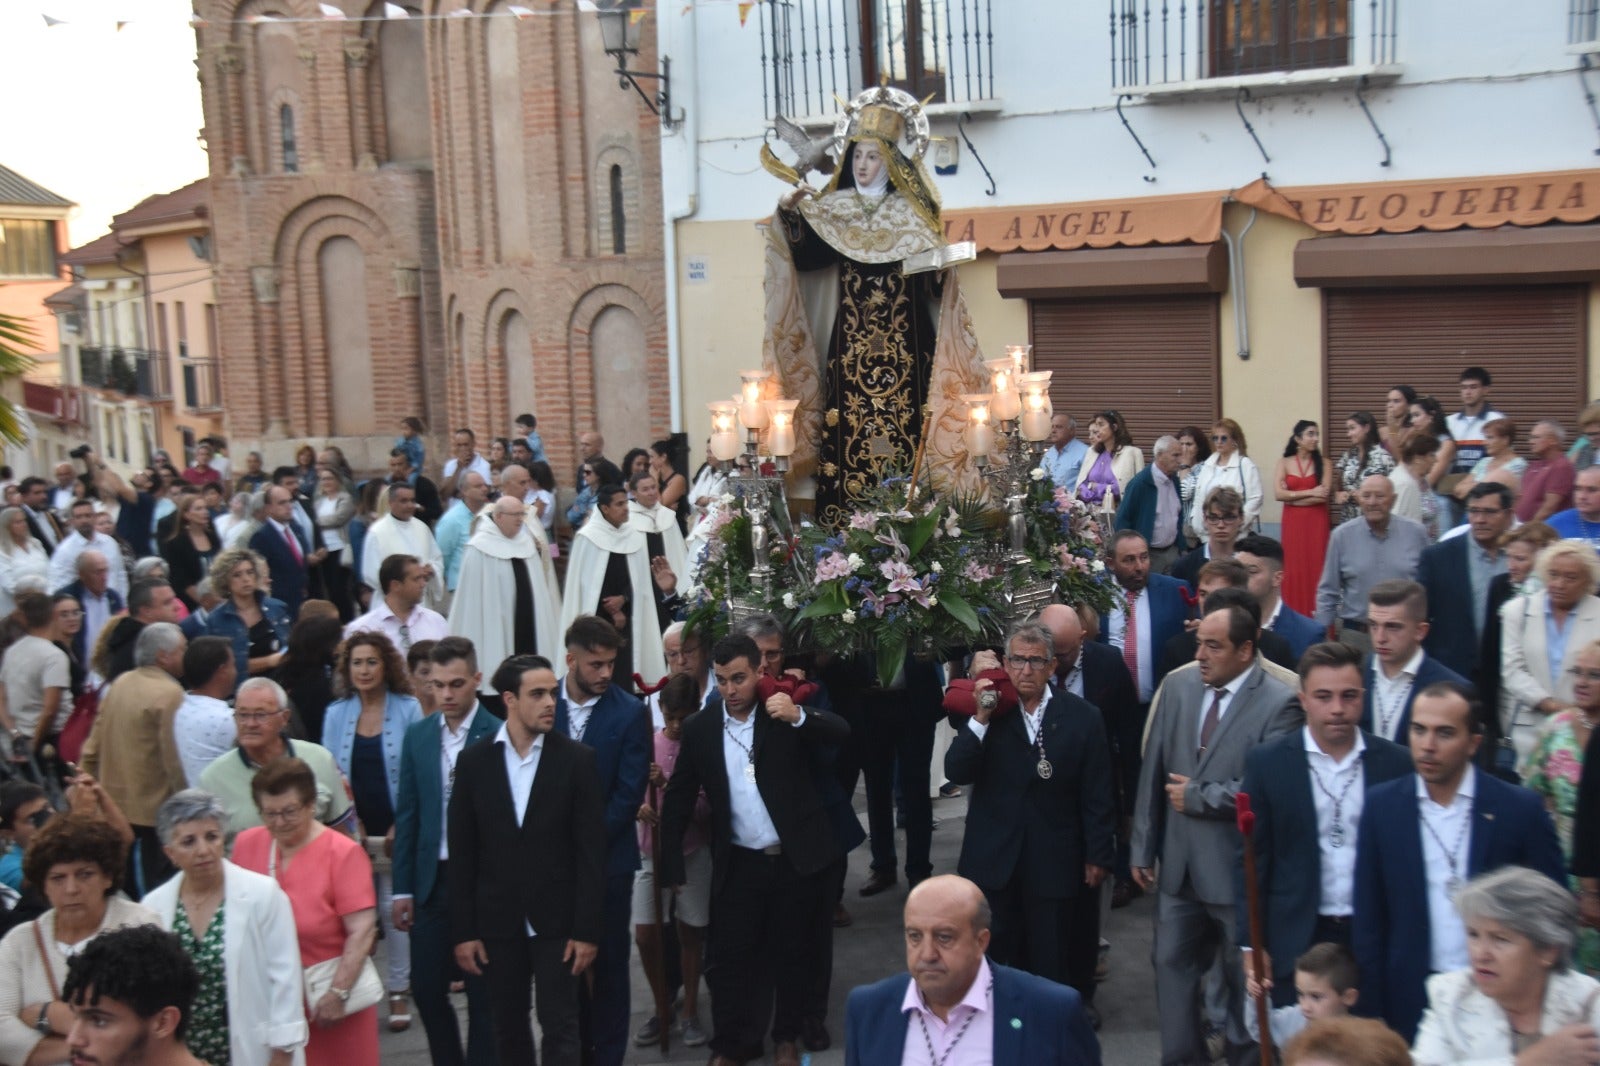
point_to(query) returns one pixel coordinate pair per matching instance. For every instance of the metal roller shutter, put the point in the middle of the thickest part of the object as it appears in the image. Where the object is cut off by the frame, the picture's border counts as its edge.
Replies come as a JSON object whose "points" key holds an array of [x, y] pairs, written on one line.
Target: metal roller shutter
{"points": [[1154, 358], [1531, 338]]}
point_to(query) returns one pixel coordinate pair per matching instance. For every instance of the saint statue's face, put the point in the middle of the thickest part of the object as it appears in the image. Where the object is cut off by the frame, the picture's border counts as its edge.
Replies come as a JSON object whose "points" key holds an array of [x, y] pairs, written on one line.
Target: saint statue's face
{"points": [[866, 163]]}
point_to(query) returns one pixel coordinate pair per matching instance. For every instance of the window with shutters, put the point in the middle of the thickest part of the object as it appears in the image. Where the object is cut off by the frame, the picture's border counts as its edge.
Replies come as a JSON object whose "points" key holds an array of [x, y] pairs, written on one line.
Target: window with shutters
{"points": [[1531, 339], [1153, 358]]}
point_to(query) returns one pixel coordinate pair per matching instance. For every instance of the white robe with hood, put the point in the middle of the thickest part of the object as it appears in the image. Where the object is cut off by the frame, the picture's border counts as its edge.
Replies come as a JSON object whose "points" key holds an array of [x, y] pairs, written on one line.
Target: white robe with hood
{"points": [[484, 609], [586, 573]]}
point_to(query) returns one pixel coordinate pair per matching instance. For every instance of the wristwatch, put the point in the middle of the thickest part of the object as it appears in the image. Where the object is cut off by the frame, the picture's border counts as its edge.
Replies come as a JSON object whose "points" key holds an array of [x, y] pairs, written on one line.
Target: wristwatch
{"points": [[43, 1024], [342, 993]]}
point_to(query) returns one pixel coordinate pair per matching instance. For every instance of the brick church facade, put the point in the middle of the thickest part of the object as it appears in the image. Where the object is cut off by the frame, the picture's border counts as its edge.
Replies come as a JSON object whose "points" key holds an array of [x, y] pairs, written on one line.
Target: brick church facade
{"points": [[451, 216]]}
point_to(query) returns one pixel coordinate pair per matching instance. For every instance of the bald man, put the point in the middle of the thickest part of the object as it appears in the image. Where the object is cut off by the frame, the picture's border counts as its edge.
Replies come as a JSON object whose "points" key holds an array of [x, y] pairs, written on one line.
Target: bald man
{"points": [[504, 603], [955, 1002]]}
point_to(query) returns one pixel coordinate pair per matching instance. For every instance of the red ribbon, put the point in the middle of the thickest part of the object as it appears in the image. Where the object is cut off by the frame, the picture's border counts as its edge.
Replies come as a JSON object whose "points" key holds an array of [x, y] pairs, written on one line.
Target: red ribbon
{"points": [[797, 689], [650, 690]]}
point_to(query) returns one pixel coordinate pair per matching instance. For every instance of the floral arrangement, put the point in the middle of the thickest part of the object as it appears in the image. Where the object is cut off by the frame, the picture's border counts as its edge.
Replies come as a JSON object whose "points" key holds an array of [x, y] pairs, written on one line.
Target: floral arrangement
{"points": [[722, 572], [904, 576], [1065, 539]]}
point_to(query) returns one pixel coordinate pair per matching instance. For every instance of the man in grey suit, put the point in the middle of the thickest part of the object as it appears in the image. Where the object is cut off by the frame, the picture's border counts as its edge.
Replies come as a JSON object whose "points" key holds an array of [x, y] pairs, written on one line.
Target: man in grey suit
{"points": [[1203, 725]]}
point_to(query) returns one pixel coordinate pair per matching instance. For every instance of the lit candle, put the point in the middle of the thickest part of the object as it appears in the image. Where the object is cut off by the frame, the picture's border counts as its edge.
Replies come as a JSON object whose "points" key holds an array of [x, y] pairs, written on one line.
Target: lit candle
{"points": [[780, 437], [1020, 355], [752, 412], [1003, 373], [980, 434], [1036, 409], [724, 441]]}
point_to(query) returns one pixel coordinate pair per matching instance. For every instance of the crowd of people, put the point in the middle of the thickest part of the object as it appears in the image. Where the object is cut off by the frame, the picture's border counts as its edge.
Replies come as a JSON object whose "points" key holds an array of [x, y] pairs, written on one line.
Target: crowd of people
{"points": [[281, 723]]}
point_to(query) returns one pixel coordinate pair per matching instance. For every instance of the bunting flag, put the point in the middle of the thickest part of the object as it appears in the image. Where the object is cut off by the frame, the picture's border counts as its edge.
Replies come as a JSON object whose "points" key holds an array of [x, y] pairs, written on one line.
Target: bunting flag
{"points": [[520, 12], [122, 23], [331, 12], [395, 11], [744, 13], [636, 16], [50, 22]]}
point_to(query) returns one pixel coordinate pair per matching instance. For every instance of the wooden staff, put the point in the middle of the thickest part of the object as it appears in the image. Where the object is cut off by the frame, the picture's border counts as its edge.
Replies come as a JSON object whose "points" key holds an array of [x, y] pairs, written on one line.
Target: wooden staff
{"points": [[1258, 960], [663, 1010]]}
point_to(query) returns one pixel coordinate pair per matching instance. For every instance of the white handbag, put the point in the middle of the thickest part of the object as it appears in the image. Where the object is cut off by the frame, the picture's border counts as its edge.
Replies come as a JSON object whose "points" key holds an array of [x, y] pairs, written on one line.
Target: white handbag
{"points": [[365, 992]]}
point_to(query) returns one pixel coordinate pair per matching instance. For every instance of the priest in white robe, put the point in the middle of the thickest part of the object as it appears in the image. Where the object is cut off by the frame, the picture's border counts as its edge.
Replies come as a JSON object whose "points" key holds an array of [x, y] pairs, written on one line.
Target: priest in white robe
{"points": [[515, 481], [662, 536], [504, 603], [400, 532], [610, 574]]}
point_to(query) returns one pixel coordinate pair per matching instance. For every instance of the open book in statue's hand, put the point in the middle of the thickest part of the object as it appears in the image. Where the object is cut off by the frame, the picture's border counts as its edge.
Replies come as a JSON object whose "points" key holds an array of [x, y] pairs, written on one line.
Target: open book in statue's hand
{"points": [[948, 255]]}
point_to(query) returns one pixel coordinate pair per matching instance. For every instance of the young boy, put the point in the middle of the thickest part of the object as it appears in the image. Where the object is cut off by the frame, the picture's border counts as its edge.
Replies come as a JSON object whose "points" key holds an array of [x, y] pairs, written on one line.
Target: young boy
{"points": [[679, 699], [1325, 983], [527, 430]]}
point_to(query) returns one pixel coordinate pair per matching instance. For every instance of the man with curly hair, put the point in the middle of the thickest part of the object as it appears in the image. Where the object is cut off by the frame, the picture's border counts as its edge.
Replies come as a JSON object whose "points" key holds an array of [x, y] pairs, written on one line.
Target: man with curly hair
{"points": [[133, 990]]}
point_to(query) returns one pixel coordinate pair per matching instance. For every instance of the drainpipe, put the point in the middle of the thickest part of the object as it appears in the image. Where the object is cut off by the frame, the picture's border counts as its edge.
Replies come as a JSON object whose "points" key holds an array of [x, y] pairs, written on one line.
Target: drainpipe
{"points": [[1236, 283], [680, 175]]}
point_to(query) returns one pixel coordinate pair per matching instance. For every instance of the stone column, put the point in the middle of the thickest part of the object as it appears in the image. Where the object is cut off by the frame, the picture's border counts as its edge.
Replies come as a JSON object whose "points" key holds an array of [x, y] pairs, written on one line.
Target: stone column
{"points": [[264, 286], [230, 65], [357, 57]]}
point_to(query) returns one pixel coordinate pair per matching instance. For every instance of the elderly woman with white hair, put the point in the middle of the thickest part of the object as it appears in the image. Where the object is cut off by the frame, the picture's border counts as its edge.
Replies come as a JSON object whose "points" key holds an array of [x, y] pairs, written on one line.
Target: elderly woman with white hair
{"points": [[1542, 634], [21, 557], [238, 928], [1521, 1003]]}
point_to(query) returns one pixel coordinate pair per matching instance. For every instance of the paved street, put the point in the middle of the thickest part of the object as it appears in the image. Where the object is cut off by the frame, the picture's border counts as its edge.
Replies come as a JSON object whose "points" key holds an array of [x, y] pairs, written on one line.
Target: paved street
{"points": [[871, 948]]}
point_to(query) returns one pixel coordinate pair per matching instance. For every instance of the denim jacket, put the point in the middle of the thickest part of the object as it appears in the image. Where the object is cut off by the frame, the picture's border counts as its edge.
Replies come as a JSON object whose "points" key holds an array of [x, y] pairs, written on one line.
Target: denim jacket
{"points": [[224, 621], [339, 734]]}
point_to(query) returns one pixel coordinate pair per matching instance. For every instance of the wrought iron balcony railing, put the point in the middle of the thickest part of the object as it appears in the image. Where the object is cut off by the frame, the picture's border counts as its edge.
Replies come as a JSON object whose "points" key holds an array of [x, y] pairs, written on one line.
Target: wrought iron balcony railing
{"points": [[131, 371]]}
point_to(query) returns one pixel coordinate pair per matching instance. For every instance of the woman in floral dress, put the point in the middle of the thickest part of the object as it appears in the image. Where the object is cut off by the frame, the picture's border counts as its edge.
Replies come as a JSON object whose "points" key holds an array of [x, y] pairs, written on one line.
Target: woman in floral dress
{"points": [[1555, 766]]}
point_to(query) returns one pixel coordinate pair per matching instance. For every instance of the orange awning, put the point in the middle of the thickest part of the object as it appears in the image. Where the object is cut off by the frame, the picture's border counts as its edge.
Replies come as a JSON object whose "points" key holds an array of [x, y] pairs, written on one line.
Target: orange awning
{"points": [[1456, 203], [1195, 218]]}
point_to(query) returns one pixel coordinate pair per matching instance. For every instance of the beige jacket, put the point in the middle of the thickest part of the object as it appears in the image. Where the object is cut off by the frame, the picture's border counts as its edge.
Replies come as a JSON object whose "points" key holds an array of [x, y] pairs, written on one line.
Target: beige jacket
{"points": [[132, 748]]}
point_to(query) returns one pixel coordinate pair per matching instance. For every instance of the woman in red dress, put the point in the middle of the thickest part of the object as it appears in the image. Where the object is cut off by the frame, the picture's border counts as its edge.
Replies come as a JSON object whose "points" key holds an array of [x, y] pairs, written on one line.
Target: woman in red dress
{"points": [[1302, 488], [328, 880]]}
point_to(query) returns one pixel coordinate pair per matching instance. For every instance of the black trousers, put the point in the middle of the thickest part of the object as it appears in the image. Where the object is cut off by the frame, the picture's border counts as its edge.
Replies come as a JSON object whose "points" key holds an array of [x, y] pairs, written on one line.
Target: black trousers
{"points": [[897, 735], [433, 967], [760, 920], [1056, 938], [603, 1010], [523, 973], [819, 945]]}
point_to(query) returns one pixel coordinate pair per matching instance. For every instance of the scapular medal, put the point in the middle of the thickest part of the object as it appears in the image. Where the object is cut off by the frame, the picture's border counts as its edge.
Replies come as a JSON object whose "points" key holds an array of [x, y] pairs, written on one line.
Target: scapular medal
{"points": [[750, 771], [1045, 770], [1336, 835]]}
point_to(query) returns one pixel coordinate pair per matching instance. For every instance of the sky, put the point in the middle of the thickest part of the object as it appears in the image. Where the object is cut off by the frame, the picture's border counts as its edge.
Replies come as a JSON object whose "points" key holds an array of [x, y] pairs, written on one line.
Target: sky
{"points": [[100, 116]]}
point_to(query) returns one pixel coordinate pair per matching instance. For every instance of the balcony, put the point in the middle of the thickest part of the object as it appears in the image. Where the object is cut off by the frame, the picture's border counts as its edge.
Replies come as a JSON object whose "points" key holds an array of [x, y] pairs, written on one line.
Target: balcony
{"points": [[130, 371], [202, 385], [1583, 25], [53, 402], [1188, 47], [813, 51]]}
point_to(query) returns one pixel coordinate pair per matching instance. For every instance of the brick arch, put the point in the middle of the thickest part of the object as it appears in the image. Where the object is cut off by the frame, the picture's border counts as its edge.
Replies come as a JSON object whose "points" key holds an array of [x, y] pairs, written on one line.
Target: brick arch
{"points": [[393, 340], [622, 155], [582, 387], [244, 9]]}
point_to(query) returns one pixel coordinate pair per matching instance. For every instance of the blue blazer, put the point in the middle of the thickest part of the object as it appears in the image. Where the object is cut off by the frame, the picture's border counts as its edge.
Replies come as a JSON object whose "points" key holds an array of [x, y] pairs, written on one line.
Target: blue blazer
{"points": [[224, 621], [1168, 612], [1301, 632], [1428, 673], [339, 733], [1453, 632], [1037, 1022], [1390, 932], [1277, 777], [1138, 508], [418, 813], [619, 733], [289, 578]]}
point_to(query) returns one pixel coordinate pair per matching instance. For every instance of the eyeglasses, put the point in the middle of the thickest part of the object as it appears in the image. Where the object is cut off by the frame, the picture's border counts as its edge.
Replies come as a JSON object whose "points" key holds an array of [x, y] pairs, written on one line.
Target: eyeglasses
{"points": [[255, 718], [1220, 438], [1584, 675], [1484, 512], [288, 814], [70, 614], [1232, 516], [1029, 662]]}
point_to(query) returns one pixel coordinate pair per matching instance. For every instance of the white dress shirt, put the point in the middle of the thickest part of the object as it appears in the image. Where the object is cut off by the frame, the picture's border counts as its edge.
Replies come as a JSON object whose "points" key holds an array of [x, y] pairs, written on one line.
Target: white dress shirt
{"points": [[1389, 696], [1228, 691], [752, 825], [203, 729], [1335, 776], [1451, 829], [451, 743], [479, 465], [420, 624], [577, 712], [520, 772], [64, 560], [1117, 623]]}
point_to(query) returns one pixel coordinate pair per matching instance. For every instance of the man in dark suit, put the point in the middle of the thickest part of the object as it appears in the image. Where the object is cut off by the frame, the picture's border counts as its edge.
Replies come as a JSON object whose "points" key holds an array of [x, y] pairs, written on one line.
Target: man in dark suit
{"points": [[303, 513], [1214, 577], [1155, 605], [1153, 508], [429, 506], [604, 717], [771, 844], [422, 854], [1262, 558], [1026, 1018], [1424, 835], [1201, 729], [1456, 574], [42, 522], [1039, 834], [1398, 668], [1307, 788], [93, 584], [284, 546], [527, 865], [1095, 672]]}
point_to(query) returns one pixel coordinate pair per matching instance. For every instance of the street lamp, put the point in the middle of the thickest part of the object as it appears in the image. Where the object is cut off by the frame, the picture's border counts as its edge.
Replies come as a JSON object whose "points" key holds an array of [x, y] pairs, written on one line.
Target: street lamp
{"points": [[619, 35]]}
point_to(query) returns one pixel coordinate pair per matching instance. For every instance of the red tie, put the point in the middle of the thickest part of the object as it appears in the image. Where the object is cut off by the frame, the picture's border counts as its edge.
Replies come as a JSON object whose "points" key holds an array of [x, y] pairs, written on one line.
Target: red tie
{"points": [[1130, 639], [294, 545], [1208, 727]]}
